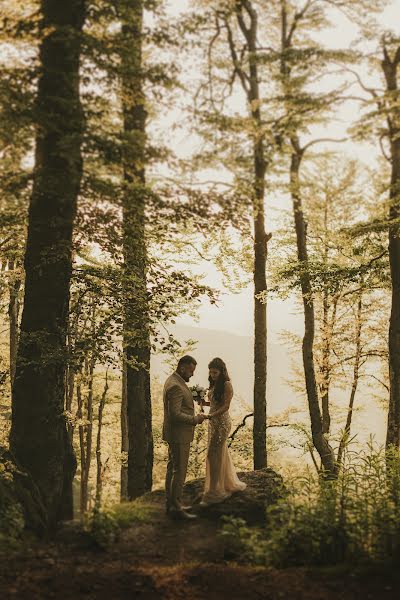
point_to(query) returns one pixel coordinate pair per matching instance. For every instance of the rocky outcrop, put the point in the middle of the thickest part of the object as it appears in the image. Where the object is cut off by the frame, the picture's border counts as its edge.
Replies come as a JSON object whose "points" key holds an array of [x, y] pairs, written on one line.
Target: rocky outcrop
{"points": [[264, 487]]}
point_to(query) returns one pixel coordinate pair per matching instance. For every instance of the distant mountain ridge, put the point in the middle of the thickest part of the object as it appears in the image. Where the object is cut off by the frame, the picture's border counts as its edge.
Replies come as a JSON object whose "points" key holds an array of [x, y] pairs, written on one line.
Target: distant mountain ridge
{"points": [[237, 351]]}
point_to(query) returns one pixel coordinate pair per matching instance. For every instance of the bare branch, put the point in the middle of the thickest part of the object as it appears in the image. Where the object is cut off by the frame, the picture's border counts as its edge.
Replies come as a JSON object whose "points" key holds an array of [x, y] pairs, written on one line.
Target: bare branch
{"points": [[236, 63], [200, 254], [310, 449], [296, 20], [378, 380], [382, 147], [238, 428], [253, 18], [322, 140], [4, 242], [367, 89], [209, 57]]}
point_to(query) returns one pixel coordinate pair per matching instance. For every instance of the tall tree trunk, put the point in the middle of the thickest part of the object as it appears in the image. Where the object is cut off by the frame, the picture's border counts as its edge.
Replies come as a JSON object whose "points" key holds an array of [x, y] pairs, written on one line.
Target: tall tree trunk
{"points": [[13, 314], [124, 435], [389, 67], [69, 384], [252, 90], [85, 416], [356, 378], [260, 315], [329, 321], [136, 326], [39, 437], [321, 444], [327, 330], [99, 464], [325, 369], [81, 431]]}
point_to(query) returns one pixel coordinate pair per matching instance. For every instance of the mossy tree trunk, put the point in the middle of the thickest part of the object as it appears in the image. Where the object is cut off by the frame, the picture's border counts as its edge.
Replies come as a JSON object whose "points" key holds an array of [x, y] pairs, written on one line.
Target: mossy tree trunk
{"points": [[136, 307], [390, 69], [39, 437]]}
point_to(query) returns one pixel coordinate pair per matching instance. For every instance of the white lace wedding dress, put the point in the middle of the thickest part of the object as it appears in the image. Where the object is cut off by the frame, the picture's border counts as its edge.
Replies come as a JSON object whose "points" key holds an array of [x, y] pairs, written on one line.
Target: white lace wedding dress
{"points": [[221, 478]]}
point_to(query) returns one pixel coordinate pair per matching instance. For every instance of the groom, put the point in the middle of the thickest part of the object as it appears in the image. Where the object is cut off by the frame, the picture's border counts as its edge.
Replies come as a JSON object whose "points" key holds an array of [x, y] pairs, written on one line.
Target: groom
{"points": [[178, 432]]}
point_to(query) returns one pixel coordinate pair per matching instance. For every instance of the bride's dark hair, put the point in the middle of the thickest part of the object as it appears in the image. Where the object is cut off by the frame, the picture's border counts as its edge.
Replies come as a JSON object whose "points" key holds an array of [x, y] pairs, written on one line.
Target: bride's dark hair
{"points": [[219, 384]]}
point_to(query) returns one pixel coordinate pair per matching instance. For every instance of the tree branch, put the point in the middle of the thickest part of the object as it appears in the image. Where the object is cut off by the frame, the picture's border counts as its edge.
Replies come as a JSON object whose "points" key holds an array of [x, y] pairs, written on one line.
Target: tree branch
{"points": [[382, 147], [209, 57], [4, 242], [377, 379], [243, 423], [297, 18], [238, 428], [322, 140], [236, 63]]}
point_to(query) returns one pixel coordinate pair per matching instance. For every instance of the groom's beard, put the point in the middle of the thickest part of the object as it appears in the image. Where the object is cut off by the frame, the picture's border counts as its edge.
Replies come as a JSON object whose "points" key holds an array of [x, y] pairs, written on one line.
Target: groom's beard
{"points": [[184, 377]]}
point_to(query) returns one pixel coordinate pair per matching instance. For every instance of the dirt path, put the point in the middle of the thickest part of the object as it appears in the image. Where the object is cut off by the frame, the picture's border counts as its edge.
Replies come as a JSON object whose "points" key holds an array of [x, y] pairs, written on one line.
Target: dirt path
{"points": [[110, 579], [165, 560]]}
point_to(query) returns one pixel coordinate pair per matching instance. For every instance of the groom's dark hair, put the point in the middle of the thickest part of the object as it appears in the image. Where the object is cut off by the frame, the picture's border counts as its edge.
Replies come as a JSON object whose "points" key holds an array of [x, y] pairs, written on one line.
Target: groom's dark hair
{"points": [[187, 360]]}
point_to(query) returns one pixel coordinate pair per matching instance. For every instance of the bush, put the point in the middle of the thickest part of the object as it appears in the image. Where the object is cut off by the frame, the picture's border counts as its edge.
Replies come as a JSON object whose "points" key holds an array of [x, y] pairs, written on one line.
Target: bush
{"points": [[12, 522], [105, 525], [102, 528], [242, 542], [355, 518], [127, 513]]}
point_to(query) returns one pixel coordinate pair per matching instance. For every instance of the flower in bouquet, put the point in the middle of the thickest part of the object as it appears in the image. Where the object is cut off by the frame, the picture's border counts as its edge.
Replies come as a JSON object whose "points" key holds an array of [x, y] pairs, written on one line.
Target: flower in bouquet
{"points": [[198, 393]]}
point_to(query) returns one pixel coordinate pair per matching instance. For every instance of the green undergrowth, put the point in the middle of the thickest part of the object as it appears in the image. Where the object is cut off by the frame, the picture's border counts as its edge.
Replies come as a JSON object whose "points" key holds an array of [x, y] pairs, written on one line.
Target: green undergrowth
{"points": [[12, 521], [105, 525], [354, 519]]}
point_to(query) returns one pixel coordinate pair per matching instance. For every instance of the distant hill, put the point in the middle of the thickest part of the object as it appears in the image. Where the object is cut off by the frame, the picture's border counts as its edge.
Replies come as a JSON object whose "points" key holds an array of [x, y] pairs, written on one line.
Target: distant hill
{"points": [[237, 352]]}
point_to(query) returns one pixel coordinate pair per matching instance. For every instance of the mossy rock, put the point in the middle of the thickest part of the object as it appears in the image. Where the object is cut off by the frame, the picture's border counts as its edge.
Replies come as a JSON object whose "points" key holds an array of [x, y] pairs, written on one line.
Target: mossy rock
{"points": [[264, 488], [21, 507]]}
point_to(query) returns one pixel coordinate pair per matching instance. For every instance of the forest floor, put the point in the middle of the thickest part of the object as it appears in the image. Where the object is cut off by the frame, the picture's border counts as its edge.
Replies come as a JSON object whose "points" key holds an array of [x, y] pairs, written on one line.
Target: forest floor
{"points": [[162, 559]]}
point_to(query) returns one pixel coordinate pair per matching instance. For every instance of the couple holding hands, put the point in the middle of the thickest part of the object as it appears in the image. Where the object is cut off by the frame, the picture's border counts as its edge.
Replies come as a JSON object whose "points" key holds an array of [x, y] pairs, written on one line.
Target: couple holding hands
{"points": [[178, 431]]}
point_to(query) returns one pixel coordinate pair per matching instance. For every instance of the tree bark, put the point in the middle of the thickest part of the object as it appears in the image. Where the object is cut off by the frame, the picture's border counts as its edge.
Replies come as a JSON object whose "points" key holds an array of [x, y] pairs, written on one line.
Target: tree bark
{"points": [[13, 315], [124, 436], [69, 383], [79, 414], [327, 331], [252, 90], [85, 414], [136, 309], [356, 378], [317, 431], [321, 444], [39, 437], [389, 67], [99, 464]]}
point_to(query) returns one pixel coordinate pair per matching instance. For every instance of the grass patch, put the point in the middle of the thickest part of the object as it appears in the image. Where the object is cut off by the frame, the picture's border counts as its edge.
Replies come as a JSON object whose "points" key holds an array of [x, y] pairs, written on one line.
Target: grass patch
{"points": [[128, 513], [104, 525]]}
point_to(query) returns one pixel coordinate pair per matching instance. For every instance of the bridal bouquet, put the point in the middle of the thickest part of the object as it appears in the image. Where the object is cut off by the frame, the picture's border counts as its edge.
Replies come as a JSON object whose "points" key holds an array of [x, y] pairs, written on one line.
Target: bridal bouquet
{"points": [[198, 393]]}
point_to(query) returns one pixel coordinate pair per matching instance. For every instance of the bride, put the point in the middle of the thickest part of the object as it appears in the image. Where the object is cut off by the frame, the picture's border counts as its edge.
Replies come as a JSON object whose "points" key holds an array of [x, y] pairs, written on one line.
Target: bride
{"points": [[221, 479]]}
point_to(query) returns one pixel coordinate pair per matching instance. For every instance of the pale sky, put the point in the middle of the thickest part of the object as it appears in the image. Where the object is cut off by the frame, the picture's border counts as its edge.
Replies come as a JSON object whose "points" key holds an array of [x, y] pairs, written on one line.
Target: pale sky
{"points": [[235, 311]]}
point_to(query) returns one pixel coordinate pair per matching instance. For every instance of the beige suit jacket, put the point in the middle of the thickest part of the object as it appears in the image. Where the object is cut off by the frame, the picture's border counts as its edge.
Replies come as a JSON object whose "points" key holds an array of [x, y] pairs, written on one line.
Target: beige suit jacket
{"points": [[179, 415]]}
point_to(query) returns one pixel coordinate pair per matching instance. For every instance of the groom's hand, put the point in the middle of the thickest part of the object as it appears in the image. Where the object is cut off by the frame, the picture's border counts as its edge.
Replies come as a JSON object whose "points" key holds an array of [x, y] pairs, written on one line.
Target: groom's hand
{"points": [[201, 418]]}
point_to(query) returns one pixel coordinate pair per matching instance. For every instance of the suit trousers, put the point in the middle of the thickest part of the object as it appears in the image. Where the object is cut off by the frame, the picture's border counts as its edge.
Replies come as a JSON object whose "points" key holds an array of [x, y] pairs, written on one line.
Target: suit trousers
{"points": [[178, 458]]}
